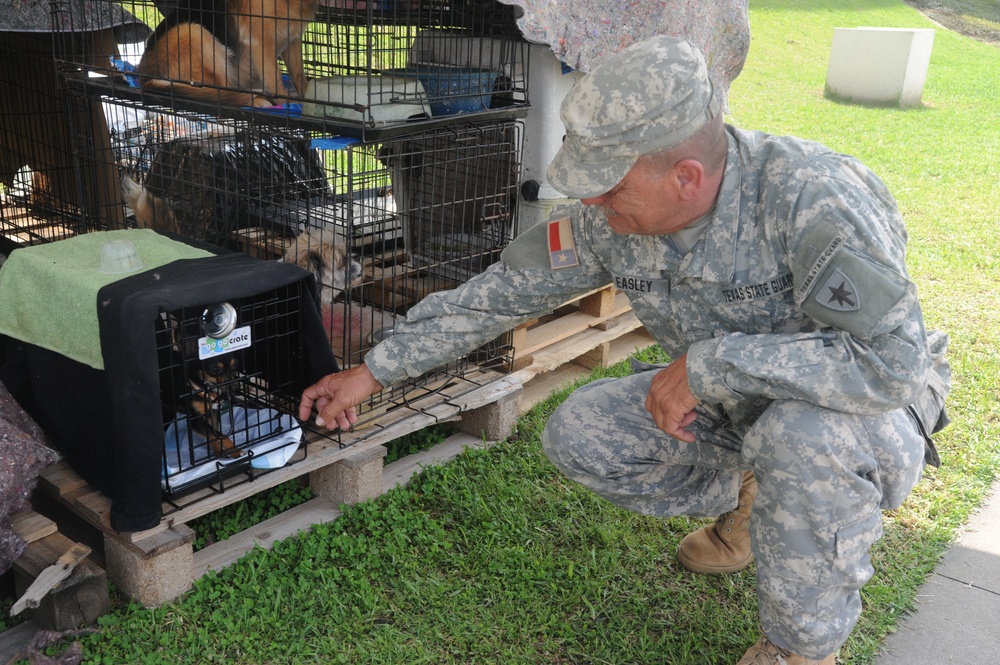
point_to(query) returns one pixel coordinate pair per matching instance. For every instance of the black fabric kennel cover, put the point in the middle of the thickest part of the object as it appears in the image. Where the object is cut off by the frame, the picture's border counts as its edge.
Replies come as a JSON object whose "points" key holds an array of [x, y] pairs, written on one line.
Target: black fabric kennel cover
{"points": [[109, 424]]}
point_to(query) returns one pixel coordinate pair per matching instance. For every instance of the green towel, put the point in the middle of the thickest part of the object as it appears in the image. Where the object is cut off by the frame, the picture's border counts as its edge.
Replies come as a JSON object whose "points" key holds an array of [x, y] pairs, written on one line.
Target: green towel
{"points": [[48, 292]]}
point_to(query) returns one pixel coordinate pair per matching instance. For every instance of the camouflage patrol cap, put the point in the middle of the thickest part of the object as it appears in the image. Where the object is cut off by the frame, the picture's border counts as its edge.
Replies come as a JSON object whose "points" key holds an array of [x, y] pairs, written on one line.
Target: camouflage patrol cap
{"points": [[649, 97]]}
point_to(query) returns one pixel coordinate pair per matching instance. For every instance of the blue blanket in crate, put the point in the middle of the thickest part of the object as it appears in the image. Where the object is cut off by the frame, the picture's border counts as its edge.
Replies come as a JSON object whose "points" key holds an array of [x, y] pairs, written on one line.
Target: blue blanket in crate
{"points": [[277, 438]]}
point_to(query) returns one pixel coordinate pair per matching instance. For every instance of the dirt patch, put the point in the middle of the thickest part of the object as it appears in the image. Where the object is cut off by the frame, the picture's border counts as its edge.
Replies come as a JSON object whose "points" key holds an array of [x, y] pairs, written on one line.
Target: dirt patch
{"points": [[952, 17]]}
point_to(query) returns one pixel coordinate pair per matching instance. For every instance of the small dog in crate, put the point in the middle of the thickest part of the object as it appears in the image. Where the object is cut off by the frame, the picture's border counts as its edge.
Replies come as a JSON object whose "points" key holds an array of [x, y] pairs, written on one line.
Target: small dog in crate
{"points": [[334, 269], [227, 50], [211, 403]]}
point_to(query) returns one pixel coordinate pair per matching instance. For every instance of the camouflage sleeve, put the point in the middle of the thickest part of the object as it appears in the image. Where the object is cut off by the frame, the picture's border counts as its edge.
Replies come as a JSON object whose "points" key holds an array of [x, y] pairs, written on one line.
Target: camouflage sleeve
{"points": [[846, 244], [521, 286]]}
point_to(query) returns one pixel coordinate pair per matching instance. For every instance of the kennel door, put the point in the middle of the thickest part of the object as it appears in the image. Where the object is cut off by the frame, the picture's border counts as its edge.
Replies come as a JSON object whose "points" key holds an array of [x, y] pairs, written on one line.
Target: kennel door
{"points": [[129, 311]]}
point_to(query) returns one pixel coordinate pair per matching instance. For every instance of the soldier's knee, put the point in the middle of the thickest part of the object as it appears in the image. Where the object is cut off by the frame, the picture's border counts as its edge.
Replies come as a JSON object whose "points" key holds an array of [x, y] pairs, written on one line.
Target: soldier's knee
{"points": [[561, 438], [569, 435], [790, 431]]}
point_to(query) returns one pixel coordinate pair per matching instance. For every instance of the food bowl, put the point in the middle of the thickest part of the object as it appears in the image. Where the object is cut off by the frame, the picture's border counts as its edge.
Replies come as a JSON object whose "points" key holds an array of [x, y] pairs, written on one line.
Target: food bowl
{"points": [[451, 90]]}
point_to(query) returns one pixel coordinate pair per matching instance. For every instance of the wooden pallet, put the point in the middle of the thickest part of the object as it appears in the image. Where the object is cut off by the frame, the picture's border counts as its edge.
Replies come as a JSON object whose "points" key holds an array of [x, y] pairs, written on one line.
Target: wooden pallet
{"points": [[601, 315], [158, 564], [428, 405], [66, 590]]}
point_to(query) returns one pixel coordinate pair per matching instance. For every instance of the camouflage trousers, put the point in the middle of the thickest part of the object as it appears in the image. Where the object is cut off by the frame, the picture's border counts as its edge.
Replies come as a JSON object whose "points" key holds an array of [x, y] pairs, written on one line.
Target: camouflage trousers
{"points": [[823, 478]]}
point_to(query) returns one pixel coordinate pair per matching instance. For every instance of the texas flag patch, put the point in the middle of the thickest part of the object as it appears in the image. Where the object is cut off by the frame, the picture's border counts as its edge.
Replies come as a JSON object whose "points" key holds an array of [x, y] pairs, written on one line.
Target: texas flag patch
{"points": [[562, 250]]}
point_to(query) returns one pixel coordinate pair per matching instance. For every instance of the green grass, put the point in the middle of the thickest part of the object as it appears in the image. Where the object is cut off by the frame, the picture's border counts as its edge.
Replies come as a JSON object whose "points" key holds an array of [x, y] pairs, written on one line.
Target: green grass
{"points": [[495, 558], [230, 520]]}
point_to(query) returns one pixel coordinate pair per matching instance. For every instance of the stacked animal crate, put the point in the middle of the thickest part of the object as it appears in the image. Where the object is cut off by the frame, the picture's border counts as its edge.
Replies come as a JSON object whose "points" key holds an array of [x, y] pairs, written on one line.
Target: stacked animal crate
{"points": [[40, 188], [393, 173]]}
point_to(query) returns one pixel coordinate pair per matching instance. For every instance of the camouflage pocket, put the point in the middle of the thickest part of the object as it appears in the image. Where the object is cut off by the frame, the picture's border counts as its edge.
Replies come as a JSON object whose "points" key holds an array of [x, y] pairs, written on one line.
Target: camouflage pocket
{"points": [[852, 563]]}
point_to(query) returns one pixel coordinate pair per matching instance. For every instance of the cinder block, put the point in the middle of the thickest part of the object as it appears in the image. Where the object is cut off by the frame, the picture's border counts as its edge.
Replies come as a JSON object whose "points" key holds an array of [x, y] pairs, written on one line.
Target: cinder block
{"points": [[494, 421], [155, 570], [879, 65], [350, 480]]}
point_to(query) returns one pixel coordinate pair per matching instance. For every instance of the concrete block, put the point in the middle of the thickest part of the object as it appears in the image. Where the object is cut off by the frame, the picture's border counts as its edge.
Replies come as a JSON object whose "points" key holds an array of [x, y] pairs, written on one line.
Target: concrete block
{"points": [[155, 570], [879, 65], [351, 480], [494, 421]]}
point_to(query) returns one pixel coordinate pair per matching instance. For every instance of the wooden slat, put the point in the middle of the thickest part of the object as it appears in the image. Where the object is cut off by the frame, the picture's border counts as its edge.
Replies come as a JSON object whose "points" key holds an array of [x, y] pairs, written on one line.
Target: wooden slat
{"points": [[547, 334], [31, 526], [95, 507], [566, 350], [599, 304], [540, 384], [50, 577], [59, 480], [596, 357], [265, 534]]}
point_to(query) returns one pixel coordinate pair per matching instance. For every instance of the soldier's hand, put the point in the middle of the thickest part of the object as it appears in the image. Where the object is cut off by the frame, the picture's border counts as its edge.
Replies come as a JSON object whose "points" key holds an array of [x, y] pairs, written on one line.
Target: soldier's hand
{"points": [[335, 396], [670, 401]]}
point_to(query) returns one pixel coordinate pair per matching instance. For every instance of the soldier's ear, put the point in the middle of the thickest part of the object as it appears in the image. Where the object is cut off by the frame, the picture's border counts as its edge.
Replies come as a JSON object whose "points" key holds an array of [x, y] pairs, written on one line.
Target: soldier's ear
{"points": [[688, 176]]}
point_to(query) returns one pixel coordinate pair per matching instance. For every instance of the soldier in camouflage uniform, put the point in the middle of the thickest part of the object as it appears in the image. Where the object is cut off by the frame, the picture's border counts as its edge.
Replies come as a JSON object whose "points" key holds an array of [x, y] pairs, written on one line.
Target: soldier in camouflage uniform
{"points": [[804, 385]]}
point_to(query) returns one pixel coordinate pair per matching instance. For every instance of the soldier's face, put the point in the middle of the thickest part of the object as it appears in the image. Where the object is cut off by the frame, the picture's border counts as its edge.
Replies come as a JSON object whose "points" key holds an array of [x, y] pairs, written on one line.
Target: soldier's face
{"points": [[643, 203]]}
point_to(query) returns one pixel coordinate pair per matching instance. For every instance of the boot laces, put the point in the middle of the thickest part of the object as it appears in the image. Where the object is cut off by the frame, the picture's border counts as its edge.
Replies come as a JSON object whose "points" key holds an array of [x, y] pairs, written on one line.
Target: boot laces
{"points": [[769, 654]]}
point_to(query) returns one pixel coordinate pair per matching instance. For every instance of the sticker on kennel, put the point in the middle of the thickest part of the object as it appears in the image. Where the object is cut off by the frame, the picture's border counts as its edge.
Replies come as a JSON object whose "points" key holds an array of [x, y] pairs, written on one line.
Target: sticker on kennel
{"points": [[209, 347]]}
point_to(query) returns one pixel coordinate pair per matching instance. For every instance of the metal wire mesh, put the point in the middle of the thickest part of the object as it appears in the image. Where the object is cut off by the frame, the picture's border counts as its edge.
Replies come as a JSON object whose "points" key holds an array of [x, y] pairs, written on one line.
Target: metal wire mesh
{"points": [[351, 67], [382, 204], [227, 404], [40, 186], [380, 225]]}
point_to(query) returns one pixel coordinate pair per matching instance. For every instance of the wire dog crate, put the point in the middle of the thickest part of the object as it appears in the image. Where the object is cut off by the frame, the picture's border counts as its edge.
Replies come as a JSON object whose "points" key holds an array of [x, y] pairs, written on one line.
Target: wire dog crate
{"points": [[43, 196], [365, 69], [228, 400], [380, 224], [172, 378], [40, 188], [394, 175]]}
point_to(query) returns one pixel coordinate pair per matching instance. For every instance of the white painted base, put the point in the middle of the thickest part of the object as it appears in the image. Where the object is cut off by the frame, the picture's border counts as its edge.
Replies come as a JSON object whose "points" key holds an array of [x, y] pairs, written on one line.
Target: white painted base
{"points": [[879, 65]]}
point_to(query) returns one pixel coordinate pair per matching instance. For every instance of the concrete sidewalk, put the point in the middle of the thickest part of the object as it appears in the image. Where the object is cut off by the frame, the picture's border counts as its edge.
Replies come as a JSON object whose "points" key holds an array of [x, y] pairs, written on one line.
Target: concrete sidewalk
{"points": [[957, 618]]}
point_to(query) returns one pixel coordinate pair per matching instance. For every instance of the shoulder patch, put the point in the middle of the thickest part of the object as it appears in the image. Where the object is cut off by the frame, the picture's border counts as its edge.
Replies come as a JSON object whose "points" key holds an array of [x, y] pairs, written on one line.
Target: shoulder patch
{"points": [[839, 293], [562, 249]]}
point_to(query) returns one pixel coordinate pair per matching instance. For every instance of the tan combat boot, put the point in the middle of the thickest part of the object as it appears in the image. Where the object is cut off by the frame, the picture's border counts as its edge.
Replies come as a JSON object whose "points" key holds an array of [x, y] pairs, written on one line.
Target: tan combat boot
{"points": [[722, 547], [766, 653]]}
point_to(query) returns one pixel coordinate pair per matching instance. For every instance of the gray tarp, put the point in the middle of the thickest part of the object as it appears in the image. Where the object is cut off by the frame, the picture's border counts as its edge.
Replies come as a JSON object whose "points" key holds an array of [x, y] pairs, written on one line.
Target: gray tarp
{"points": [[23, 455], [581, 32]]}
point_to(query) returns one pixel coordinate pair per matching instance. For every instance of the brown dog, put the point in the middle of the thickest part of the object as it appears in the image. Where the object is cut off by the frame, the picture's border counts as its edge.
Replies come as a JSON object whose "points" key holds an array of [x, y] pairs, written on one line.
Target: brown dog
{"points": [[334, 269], [151, 211], [227, 50], [211, 403], [327, 260]]}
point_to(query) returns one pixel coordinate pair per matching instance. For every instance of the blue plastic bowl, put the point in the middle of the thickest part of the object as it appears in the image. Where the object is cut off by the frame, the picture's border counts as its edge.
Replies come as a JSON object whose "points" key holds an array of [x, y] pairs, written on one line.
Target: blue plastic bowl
{"points": [[452, 90]]}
